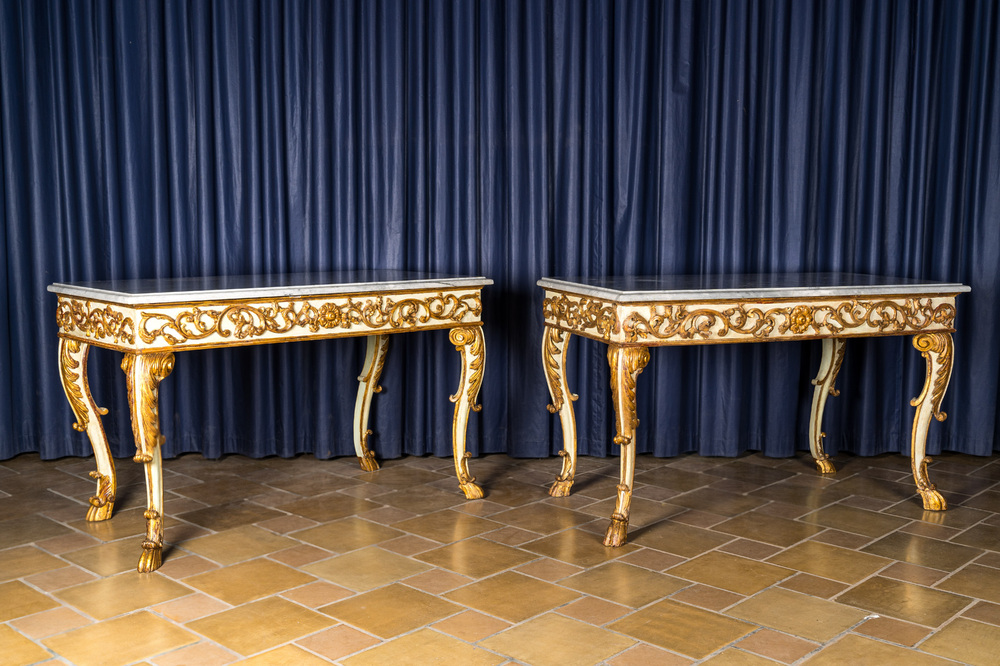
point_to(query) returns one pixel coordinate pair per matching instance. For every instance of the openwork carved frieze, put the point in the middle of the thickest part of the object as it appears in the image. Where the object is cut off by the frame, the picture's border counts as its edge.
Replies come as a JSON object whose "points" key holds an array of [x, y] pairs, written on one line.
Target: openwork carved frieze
{"points": [[99, 321], [249, 321], [678, 322], [581, 314]]}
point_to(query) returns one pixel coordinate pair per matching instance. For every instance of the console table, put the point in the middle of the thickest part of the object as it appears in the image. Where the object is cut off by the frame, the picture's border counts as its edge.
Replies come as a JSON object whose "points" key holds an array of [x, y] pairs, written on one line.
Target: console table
{"points": [[149, 320], [631, 314]]}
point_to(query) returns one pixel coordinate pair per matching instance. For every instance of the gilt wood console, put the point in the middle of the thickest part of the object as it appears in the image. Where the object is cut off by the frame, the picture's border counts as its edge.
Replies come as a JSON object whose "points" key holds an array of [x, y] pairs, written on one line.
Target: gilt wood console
{"points": [[631, 314], [149, 320]]}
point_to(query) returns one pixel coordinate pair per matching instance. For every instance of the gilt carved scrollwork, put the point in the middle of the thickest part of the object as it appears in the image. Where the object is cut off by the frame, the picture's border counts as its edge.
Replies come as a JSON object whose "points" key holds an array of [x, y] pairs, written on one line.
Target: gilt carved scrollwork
{"points": [[71, 370], [882, 316], [143, 375], [941, 345], [469, 341], [626, 364], [553, 349], [244, 321], [581, 314], [99, 322]]}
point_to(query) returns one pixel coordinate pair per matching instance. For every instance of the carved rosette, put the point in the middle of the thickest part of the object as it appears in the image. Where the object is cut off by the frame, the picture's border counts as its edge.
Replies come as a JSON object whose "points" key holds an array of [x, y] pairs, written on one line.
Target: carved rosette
{"points": [[99, 322], [249, 322], [680, 323]]}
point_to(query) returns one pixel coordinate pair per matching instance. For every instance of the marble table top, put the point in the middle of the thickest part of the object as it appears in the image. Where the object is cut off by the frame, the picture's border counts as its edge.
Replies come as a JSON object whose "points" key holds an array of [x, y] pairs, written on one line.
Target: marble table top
{"points": [[241, 287], [626, 289]]}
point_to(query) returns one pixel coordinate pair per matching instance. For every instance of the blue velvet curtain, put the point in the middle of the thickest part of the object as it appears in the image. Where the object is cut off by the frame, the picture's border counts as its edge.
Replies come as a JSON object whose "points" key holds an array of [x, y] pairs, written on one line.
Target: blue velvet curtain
{"points": [[513, 140]]}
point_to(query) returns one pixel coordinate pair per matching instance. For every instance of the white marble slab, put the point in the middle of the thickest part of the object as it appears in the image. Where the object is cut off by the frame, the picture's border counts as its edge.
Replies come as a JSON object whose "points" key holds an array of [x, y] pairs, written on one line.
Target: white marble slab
{"points": [[629, 289], [245, 287]]}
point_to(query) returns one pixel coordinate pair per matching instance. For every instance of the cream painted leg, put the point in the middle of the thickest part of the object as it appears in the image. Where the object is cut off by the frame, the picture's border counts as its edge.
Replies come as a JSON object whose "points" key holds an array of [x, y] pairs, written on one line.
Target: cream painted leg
{"points": [[937, 349], [829, 366], [143, 373], [555, 344], [374, 360], [626, 364], [73, 373], [470, 343]]}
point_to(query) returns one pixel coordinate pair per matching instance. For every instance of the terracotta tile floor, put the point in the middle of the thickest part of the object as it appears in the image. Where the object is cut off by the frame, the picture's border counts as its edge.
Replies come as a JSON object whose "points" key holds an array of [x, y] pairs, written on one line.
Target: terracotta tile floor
{"points": [[744, 561]]}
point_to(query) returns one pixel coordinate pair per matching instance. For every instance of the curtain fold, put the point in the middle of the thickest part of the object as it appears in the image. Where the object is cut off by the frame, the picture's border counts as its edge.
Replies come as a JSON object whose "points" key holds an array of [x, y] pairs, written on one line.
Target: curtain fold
{"points": [[515, 140]]}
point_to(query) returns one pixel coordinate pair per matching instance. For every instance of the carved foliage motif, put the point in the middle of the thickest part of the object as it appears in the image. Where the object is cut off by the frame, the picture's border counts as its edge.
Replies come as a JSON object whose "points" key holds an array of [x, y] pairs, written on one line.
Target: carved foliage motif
{"points": [[94, 321], [554, 344], [469, 341], [581, 314], [143, 375], [937, 377], [626, 364], [884, 316], [244, 321]]}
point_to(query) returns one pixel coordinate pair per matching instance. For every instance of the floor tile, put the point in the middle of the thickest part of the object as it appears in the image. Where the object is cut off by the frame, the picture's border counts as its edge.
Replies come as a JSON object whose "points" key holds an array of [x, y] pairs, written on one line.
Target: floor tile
{"points": [[18, 650], [190, 607], [337, 642], [905, 601], [348, 534], [58, 579], [729, 572], [594, 611], [471, 626], [755, 550], [815, 586], [577, 547], [554, 640], [680, 628], [315, 595], [226, 517], [913, 573], [797, 614], [202, 654], [777, 646], [549, 569], [923, 551], [769, 529], [238, 544], [850, 519], [853, 649], [984, 612], [974, 581], [736, 657], [111, 643], [424, 647], [366, 569], [24, 561], [980, 536], [124, 593], [49, 623], [109, 559], [260, 625], [820, 559], [512, 596], [894, 631], [678, 539], [708, 597], [722, 503], [391, 610], [542, 518], [447, 526], [475, 557], [644, 655], [624, 584], [230, 583], [30, 528]]}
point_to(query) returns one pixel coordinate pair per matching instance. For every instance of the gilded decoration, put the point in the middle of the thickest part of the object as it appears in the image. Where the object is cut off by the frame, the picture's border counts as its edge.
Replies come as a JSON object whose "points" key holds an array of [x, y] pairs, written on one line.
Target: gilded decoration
{"points": [[553, 347], [581, 314], [937, 378], [470, 341], [246, 322], [69, 367], [93, 321], [143, 386], [884, 316]]}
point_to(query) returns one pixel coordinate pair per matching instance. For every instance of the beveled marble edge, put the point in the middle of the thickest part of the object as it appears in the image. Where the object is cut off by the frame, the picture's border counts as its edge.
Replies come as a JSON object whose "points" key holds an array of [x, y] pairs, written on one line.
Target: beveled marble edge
{"points": [[235, 288], [799, 285]]}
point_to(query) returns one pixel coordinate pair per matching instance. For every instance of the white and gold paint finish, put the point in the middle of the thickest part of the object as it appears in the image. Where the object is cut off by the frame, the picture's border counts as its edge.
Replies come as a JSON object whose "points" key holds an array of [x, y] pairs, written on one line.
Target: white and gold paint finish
{"points": [[632, 314], [150, 321]]}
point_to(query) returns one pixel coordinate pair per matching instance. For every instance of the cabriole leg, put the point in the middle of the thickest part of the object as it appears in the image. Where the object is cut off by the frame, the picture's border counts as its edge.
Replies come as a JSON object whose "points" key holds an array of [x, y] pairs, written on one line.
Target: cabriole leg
{"points": [[555, 344], [374, 360], [937, 349], [470, 343], [143, 373], [829, 366], [626, 364], [73, 374]]}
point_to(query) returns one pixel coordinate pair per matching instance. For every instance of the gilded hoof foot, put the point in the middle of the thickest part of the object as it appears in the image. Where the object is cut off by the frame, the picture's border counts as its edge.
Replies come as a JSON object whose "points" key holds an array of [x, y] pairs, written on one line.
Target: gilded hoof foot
{"points": [[617, 531], [825, 466], [151, 558], [471, 490], [561, 488], [368, 462], [96, 514], [933, 500]]}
